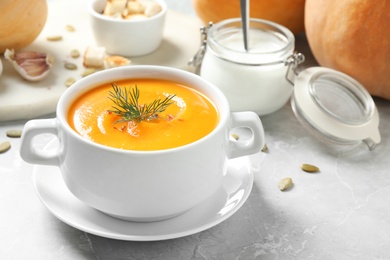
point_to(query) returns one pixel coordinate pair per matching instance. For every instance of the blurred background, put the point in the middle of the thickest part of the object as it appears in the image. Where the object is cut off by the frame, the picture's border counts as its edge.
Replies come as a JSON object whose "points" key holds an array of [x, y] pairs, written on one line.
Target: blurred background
{"points": [[183, 6]]}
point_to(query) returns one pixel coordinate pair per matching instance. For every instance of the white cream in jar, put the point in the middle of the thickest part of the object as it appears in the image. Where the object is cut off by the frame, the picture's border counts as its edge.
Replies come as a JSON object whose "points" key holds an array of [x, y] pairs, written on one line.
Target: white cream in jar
{"points": [[253, 80]]}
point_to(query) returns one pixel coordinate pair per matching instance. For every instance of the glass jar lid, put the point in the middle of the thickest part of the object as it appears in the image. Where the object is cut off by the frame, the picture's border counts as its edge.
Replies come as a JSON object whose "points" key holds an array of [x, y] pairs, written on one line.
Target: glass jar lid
{"points": [[335, 107]]}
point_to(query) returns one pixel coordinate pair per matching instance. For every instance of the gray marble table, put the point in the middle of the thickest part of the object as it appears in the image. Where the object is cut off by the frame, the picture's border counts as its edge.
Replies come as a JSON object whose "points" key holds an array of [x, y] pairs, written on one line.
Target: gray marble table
{"points": [[342, 212]]}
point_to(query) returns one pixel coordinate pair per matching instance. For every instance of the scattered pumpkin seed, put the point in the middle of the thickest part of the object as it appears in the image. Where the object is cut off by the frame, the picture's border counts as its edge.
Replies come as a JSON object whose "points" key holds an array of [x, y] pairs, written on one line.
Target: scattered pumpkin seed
{"points": [[54, 38], [235, 136], [69, 82], [309, 168], [285, 184], [88, 71], [70, 66], [70, 28], [75, 53], [5, 146], [14, 133], [265, 148]]}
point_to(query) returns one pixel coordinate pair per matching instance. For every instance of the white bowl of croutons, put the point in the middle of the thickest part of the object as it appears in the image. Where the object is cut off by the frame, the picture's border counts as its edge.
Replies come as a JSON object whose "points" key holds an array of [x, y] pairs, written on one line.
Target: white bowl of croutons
{"points": [[128, 27]]}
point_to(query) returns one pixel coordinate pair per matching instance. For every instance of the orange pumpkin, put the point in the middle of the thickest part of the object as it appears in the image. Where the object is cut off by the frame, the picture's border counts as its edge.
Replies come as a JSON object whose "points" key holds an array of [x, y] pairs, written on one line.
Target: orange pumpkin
{"points": [[289, 13], [352, 36], [21, 21]]}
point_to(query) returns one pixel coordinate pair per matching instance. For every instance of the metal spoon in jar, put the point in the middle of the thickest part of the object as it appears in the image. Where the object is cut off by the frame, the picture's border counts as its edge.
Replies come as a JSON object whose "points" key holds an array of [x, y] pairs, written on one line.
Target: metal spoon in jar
{"points": [[244, 6]]}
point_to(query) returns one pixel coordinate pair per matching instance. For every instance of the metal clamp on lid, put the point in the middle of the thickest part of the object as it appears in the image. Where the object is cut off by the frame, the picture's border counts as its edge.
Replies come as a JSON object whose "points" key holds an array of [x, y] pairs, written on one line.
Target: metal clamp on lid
{"points": [[196, 61], [292, 62]]}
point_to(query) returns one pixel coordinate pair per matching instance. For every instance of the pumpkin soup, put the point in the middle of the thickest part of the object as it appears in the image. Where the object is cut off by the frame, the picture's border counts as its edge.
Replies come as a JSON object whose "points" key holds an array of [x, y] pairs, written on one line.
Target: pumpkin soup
{"points": [[187, 115]]}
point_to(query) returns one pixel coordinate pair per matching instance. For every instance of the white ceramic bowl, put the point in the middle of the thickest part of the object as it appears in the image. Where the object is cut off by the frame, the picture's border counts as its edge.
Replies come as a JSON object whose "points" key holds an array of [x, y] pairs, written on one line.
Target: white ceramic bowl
{"points": [[142, 185], [126, 37]]}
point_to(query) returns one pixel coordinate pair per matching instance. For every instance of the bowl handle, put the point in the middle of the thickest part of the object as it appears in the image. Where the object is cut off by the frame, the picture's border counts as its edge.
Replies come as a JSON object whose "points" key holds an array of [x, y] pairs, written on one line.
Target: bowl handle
{"points": [[29, 152], [252, 145]]}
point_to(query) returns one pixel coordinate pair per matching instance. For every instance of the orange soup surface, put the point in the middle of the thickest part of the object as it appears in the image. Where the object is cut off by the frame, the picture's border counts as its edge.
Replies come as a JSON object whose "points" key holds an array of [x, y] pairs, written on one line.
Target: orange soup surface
{"points": [[190, 117]]}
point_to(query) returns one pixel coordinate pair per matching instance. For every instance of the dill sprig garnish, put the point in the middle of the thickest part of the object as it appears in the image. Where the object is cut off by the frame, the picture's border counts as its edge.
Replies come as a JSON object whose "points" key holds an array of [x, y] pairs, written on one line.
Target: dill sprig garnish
{"points": [[128, 108]]}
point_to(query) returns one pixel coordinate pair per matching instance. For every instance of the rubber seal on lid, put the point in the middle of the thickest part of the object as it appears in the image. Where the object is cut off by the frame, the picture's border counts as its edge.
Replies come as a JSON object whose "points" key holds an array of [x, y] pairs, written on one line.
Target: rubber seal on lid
{"points": [[335, 107]]}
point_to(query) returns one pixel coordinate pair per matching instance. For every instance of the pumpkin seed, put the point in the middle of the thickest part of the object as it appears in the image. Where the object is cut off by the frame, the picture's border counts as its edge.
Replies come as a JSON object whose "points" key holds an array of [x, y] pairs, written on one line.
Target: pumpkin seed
{"points": [[69, 82], [54, 38], [235, 136], [70, 66], [70, 28], [265, 148], [309, 168], [14, 133], [88, 71], [285, 183], [5, 146], [75, 53]]}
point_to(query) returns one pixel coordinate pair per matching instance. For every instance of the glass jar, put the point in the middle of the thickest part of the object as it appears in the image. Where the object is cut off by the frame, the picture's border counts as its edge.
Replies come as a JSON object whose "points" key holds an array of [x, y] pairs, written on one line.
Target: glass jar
{"points": [[331, 105], [252, 80]]}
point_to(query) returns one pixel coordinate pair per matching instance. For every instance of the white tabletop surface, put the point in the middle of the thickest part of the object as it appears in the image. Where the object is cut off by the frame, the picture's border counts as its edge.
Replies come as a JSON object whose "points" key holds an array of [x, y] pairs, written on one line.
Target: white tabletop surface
{"points": [[342, 212]]}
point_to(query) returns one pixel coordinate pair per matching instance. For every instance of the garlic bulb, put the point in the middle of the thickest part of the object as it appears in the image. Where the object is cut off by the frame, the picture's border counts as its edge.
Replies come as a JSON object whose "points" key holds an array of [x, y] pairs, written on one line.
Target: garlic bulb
{"points": [[33, 66]]}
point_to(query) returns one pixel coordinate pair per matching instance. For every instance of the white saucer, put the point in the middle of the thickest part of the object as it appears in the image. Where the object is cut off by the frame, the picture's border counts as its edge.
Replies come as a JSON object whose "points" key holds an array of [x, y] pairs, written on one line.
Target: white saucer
{"points": [[235, 190]]}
